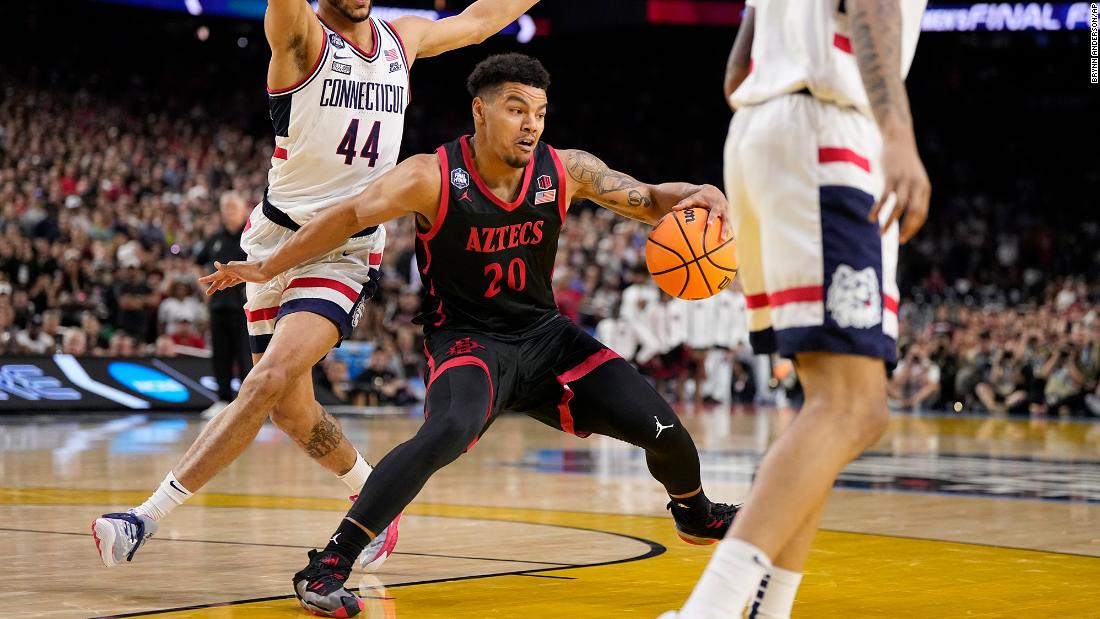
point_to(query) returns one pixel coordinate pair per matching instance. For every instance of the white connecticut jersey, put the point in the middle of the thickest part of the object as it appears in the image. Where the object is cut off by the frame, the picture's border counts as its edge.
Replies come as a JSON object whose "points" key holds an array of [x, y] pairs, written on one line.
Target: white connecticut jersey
{"points": [[806, 44], [341, 126]]}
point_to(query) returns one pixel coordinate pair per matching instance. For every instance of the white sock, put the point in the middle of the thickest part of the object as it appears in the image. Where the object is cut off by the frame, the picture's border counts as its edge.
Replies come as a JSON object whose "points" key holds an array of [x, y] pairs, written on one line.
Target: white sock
{"points": [[730, 580], [169, 495], [357, 476], [775, 597]]}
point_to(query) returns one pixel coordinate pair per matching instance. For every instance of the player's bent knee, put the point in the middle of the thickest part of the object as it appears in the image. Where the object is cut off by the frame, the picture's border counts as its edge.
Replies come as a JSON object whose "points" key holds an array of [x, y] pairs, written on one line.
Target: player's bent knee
{"points": [[447, 437], [264, 385], [868, 421], [290, 418]]}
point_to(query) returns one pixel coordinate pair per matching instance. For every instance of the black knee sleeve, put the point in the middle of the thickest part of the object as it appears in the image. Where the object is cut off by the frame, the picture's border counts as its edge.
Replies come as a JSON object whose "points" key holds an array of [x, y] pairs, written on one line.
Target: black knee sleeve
{"points": [[455, 412]]}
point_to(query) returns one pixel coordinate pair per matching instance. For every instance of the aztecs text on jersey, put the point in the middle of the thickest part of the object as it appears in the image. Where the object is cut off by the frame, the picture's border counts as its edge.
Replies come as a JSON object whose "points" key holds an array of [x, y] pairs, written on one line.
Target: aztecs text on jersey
{"points": [[487, 264]]}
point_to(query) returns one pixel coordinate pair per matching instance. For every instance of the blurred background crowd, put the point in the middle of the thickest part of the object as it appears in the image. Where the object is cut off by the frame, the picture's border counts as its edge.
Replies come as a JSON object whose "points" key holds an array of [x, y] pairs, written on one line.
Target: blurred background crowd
{"points": [[108, 215]]}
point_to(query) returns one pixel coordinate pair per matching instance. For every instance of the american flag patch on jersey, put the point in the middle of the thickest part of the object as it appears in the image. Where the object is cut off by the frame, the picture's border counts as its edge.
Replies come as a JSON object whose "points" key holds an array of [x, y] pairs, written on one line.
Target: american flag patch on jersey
{"points": [[542, 197], [391, 55]]}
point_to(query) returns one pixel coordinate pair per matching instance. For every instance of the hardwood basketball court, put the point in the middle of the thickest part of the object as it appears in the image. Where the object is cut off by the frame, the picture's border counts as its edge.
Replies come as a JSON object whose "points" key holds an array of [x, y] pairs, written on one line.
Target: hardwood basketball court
{"points": [[945, 517]]}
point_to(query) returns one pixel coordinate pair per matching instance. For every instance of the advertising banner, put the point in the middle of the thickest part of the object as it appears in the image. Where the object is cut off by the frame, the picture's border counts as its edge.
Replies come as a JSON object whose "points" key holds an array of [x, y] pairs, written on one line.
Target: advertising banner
{"points": [[68, 384], [63, 383]]}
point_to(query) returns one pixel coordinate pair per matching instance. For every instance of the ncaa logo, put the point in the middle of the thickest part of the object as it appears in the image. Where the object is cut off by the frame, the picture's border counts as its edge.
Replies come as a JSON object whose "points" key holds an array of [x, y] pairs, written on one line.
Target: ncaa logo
{"points": [[336, 41], [148, 382], [460, 178]]}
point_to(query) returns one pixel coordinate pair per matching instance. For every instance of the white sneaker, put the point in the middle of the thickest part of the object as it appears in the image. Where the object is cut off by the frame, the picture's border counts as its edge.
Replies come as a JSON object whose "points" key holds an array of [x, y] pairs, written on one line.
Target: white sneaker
{"points": [[380, 548], [215, 408], [118, 536]]}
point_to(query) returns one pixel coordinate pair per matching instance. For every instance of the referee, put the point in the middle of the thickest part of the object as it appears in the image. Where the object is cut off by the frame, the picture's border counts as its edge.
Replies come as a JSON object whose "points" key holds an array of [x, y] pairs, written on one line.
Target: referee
{"points": [[228, 330]]}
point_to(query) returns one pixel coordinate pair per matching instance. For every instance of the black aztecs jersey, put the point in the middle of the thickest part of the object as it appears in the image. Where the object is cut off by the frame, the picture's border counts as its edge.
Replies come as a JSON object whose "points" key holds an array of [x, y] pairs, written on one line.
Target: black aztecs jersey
{"points": [[486, 264]]}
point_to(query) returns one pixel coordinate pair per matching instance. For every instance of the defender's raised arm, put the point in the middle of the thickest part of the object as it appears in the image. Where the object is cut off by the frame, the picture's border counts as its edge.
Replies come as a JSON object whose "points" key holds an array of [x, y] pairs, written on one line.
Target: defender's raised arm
{"points": [[481, 20]]}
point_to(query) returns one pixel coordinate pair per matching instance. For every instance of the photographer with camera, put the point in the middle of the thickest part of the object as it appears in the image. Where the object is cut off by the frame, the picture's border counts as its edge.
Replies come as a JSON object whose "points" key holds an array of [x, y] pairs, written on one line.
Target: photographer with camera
{"points": [[915, 384]]}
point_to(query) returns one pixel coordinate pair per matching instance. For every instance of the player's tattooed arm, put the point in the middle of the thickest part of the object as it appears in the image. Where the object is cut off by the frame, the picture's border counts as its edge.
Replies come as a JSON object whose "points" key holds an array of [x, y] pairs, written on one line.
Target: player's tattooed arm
{"points": [[876, 43], [591, 179]]}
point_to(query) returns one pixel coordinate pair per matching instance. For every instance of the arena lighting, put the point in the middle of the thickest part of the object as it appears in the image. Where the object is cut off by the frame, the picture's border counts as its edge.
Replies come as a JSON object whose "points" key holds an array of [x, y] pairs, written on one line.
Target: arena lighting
{"points": [[524, 28]]}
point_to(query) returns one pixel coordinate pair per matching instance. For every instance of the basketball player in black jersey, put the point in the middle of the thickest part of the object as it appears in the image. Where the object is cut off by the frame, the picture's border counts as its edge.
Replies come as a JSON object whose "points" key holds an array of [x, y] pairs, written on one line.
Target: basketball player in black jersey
{"points": [[489, 209]]}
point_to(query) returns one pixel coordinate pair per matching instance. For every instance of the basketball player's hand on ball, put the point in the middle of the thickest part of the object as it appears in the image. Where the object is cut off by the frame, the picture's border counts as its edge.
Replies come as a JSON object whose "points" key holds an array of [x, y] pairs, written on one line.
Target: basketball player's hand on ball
{"points": [[905, 177], [236, 272], [712, 199]]}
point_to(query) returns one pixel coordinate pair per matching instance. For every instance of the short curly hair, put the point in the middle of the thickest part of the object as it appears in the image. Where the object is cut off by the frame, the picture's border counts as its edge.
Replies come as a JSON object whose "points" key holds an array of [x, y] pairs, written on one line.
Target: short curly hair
{"points": [[502, 68]]}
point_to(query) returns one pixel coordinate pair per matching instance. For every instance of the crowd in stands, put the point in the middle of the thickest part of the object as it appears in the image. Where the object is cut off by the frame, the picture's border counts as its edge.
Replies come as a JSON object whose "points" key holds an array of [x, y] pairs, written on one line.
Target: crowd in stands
{"points": [[103, 212]]}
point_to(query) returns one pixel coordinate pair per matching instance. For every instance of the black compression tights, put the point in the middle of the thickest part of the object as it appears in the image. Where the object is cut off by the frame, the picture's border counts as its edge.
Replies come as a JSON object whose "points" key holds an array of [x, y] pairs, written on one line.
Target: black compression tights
{"points": [[613, 400]]}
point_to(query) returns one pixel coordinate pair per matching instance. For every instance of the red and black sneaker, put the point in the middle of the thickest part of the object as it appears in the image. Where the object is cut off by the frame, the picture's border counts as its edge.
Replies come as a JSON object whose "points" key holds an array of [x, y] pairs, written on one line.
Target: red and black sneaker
{"points": [[320, 586], [703, 528]]}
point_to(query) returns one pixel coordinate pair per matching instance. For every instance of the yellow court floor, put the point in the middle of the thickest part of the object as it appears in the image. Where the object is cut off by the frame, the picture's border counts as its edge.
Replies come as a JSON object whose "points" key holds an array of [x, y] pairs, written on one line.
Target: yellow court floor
{"points": [[946, 517]]}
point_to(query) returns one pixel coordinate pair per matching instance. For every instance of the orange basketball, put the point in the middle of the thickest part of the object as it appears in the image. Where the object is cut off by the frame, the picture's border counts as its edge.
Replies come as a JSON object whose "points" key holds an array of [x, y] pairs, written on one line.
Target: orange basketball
{"points": [[685, 257]]}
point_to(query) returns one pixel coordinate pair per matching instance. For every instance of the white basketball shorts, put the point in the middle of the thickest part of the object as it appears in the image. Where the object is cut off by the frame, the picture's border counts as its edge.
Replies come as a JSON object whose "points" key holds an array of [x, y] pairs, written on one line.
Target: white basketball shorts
{"points": [[802, 176], [334, 286]]}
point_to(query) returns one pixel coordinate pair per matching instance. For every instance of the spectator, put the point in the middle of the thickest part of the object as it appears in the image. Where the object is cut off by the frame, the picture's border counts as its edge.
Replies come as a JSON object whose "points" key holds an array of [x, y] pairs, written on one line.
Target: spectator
{"points": [[1005, 388], [75, 343], [915, 383], [33, 340], [180, 306], [379, 384], [186, 335]]}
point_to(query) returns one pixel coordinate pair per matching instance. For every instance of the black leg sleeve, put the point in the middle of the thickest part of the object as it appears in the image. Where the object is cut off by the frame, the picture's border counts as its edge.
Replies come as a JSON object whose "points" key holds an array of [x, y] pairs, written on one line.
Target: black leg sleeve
{"points": [[455, 413], [614, 400]]}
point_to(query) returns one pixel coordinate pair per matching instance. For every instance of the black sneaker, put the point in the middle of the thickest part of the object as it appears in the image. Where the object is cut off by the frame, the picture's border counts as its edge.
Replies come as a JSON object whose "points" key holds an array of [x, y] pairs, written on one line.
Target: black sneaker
{"points": [[320, 586], [703, 528]]}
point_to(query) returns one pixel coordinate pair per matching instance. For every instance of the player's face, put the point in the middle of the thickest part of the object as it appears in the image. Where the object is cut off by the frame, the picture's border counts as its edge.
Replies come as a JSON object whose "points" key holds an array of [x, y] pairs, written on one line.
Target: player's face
{"points": [[354, 10], [514, 118]]}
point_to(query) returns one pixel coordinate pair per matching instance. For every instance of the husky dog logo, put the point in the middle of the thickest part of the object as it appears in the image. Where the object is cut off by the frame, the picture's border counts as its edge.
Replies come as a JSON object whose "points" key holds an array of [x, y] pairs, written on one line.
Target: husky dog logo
{"points": [[853, 298], [336, 41], [460, 178]]}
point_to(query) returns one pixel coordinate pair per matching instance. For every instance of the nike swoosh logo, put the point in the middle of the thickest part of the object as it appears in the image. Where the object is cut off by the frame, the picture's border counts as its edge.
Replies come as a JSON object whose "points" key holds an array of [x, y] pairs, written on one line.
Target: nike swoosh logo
{"points": [[339, 57], [349, 253], [174, 486]]}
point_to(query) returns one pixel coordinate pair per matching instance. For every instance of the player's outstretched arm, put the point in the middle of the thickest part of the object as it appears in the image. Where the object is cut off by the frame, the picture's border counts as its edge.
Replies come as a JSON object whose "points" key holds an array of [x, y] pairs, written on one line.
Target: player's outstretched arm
{"points": [[591, 179], [295, 37], [876, 43], [424, 38], [411, 187], [737, 66]]}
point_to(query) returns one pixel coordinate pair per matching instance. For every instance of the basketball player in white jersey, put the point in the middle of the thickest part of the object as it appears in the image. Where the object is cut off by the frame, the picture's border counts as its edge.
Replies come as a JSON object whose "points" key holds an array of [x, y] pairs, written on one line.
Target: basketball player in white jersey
{"points": [[338, 85], [821, 165]]}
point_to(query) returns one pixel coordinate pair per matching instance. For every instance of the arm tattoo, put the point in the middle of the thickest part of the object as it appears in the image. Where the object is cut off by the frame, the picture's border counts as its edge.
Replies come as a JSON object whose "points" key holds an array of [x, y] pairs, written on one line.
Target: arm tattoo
{"points": [[324, 437], [876, 38], [590, 172], [636, 198]]}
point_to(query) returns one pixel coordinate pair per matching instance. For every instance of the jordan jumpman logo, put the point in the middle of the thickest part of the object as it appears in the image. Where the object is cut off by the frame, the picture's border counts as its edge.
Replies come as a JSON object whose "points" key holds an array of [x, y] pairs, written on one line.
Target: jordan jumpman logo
{"points": [[660, 427]]}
